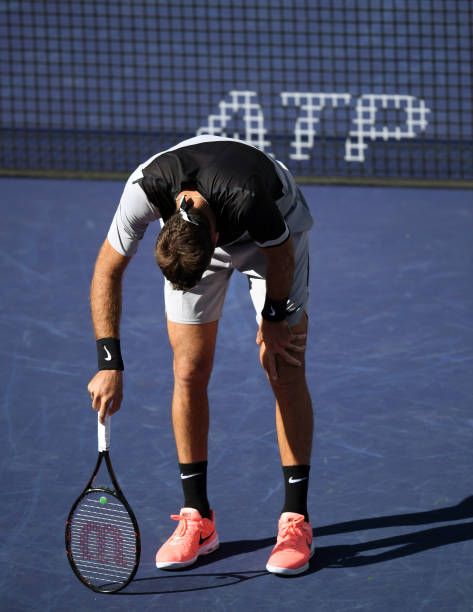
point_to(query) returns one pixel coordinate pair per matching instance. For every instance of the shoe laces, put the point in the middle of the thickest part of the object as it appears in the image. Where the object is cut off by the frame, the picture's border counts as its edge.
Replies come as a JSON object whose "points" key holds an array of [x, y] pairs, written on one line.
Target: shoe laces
{"points": [[182, 528], [291, 531]]}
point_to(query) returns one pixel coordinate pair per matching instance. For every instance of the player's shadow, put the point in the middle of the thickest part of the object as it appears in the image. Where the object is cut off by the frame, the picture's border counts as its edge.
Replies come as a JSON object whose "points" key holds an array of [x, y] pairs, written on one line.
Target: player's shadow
{"points": [[334, 556], [393, 547]]}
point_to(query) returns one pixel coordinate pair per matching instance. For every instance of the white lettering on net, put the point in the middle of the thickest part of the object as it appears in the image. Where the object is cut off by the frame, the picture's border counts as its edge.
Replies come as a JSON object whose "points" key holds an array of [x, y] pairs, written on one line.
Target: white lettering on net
{"points": [[311, 105], [366, 110], [253, 118]]}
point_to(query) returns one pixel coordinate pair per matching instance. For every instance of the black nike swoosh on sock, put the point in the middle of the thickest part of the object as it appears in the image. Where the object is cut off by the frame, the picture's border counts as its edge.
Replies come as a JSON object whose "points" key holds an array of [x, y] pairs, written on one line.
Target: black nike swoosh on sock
{"points": [[202, 540]]}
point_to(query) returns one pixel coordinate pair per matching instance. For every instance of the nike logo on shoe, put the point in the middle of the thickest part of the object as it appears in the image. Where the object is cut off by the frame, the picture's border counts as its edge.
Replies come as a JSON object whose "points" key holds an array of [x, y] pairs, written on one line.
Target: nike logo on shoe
{"points": [[293, 480], [183, 477], [202, 540]]}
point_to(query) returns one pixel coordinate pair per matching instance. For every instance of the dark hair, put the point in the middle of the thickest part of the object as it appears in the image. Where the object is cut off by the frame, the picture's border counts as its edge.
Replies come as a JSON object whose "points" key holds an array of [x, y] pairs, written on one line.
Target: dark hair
{"points": [[184, 249]]}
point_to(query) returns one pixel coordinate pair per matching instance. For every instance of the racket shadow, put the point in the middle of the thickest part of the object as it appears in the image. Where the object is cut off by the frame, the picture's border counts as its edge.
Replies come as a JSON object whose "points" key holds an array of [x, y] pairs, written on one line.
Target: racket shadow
{"points": [[184, 582], [190, 579], [337, 556]]}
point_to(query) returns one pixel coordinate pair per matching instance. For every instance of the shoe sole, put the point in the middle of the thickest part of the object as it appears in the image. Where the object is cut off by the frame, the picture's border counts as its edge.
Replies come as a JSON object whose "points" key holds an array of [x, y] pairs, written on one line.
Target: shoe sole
{"points": [[175, 565], [285, 571]]}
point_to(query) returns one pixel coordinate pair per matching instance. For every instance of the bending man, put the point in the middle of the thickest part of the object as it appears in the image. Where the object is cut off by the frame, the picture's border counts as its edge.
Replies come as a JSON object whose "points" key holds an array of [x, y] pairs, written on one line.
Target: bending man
{"points": [[223, 205]]}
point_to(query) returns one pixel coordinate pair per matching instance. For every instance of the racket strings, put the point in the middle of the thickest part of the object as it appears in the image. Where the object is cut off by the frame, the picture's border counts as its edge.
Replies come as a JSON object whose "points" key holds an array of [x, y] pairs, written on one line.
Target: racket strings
{"points": [[103, 540]]}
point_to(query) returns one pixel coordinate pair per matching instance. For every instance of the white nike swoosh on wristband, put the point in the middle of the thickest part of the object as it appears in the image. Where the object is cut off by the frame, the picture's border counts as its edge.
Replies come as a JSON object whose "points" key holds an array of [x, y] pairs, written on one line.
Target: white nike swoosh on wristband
{"points": [[294, 480], [108, 357], [190, 475]]}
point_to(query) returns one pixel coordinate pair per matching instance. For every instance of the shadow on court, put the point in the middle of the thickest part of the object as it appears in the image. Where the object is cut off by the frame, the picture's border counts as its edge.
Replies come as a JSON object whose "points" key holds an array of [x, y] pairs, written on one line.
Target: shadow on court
{"points": [[338, 556]]}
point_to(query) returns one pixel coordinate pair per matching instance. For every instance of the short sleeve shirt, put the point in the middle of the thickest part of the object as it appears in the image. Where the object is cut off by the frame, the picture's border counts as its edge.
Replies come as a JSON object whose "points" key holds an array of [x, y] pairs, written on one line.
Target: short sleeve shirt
{"points": [[239, 182]]}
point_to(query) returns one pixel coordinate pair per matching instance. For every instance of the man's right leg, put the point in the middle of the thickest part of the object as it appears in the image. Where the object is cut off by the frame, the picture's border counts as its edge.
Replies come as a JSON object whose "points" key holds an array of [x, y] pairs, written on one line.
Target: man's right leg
{"points": [[193, 348]]}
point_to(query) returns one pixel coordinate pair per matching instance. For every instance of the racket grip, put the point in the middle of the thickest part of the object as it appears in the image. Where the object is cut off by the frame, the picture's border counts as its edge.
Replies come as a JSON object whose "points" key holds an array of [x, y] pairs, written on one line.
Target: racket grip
{"points": [[104, 434]]}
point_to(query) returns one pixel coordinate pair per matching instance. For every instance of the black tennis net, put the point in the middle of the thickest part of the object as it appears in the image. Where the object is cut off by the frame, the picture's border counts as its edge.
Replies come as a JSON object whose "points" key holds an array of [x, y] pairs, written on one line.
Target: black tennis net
{"points": [[374, 89]]}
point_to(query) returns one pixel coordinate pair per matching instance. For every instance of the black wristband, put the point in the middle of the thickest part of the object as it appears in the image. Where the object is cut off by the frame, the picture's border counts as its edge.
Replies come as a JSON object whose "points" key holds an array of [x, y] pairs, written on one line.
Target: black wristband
{"points": [[274, 310], [109, 356]]}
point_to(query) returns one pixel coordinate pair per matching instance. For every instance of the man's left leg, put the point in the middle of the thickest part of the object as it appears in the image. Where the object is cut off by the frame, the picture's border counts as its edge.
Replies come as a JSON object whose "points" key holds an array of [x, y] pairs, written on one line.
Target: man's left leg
{"points": [[294, 426]]}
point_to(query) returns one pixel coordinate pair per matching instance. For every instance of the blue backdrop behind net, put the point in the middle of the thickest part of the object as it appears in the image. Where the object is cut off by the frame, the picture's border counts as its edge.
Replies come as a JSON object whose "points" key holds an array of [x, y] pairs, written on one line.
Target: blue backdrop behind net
{"points": [[333, 88]]}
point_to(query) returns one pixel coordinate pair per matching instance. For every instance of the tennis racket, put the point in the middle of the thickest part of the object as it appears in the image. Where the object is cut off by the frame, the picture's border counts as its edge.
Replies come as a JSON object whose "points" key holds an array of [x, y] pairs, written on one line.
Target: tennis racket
{"points": [[102, 536]]}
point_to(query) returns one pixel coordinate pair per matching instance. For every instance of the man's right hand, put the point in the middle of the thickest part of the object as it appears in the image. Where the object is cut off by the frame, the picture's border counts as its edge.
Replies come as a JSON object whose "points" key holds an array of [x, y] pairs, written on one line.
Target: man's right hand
{"points": [[106, 391]]}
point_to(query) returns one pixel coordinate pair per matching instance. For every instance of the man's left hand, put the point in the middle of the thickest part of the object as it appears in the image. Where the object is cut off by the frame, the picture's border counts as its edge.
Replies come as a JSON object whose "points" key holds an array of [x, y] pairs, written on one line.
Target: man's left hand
{"points": [[277, 339]]}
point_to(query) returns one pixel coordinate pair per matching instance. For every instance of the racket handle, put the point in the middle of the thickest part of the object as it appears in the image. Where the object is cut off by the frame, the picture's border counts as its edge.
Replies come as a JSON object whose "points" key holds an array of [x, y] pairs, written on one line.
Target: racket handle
{"points": [[104, 434]]}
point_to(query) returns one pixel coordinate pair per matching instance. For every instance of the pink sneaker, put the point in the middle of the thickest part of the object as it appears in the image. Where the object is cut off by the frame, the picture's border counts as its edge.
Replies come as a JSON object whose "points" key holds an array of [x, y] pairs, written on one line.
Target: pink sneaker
{"points": [[193, 536], [293, 548]]}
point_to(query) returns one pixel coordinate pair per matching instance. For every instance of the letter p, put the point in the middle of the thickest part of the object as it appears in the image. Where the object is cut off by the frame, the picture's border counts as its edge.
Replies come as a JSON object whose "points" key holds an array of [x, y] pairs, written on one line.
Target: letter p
{"points": [[366, 127]]}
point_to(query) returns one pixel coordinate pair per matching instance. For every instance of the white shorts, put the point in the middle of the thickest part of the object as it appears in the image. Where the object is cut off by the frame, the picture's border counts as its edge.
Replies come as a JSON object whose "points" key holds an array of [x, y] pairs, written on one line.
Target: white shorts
{"points": [[204, 303]]}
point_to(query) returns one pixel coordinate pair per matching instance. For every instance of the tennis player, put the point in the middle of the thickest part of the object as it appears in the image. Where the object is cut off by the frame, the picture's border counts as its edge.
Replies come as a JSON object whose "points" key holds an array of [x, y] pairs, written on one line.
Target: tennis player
{"points": [[223, 205]]}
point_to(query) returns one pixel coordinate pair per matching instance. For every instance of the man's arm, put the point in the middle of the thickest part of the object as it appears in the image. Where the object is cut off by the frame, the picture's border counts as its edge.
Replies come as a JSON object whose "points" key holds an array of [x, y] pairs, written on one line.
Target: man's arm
{"points": [[106, 387], [279, 269], [277, 336]]}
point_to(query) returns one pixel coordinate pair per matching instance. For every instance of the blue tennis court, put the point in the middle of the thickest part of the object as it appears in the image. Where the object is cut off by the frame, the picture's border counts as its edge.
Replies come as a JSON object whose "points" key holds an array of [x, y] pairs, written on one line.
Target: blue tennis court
{"points": [[373, 95], [390, 370]]}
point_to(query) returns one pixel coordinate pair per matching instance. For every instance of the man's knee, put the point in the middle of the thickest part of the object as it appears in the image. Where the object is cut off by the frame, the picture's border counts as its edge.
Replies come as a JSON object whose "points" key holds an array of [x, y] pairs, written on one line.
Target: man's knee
{"points": [[193, 348], [290, 377], [192, 371]]}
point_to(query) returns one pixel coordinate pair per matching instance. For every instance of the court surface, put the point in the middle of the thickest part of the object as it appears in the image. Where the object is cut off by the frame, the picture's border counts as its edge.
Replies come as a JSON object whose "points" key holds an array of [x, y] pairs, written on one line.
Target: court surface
{"points": [[390, 371]]}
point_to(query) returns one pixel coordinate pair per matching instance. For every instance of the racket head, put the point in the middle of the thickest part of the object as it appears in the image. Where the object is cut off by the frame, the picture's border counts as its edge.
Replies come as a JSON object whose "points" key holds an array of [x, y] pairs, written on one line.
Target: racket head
{"points": [[103, 540]]}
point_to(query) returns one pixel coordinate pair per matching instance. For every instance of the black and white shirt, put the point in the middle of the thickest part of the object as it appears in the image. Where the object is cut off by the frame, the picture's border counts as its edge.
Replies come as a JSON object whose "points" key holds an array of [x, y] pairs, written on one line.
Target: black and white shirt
{"points": [[252, 196]]}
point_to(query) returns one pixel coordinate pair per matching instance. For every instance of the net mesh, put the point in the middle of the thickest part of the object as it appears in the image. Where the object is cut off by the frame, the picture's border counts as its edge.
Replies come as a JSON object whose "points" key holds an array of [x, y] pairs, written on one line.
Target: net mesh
{"points": [[333, 88]]}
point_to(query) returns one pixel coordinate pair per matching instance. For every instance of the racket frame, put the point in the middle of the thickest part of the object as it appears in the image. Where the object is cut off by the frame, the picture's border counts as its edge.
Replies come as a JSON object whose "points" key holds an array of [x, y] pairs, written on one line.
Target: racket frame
{"points": [[104, 455]]}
